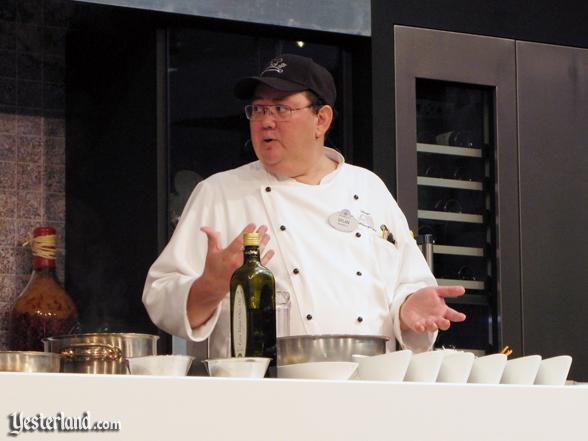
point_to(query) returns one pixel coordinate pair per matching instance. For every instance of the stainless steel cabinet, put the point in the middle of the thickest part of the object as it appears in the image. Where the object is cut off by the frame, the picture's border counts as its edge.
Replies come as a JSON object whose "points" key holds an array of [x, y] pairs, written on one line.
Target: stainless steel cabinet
{"points": [[457, 172], [552, 99], [532, 141]]}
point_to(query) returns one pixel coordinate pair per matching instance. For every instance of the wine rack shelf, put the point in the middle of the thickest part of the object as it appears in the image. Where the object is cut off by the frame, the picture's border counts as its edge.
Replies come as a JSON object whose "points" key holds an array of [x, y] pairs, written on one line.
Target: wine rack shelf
{"points": [[449, 150], [467, 284], [458, 251], [449, 183], [451, 217]]}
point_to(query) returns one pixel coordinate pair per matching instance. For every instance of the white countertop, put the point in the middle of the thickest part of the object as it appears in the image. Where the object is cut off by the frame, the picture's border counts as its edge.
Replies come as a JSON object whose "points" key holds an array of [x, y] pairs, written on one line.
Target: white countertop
{"points": [[199, 408]]}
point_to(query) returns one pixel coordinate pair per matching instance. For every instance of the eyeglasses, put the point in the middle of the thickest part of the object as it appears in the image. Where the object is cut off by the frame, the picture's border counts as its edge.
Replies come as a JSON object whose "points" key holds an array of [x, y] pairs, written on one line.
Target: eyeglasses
{"points": [[279, 112]]}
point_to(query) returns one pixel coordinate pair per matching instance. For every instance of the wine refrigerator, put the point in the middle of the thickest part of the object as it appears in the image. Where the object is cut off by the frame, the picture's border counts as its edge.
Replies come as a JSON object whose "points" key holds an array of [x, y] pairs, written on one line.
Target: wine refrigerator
{"points": [[456, 174]]}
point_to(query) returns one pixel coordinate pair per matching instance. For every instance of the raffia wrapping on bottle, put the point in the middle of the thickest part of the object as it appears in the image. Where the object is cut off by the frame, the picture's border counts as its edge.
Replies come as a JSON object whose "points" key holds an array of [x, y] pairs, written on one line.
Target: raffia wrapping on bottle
{"points": [[42, 246], [43, 309]]}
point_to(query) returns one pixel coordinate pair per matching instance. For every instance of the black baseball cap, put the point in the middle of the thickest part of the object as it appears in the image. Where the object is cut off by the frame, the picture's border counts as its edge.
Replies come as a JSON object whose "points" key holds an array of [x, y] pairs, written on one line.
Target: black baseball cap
{"points": [[291, 73]]}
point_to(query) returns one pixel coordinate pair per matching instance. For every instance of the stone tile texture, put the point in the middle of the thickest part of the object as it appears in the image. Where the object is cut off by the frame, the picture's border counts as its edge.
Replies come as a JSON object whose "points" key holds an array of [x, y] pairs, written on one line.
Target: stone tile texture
{"points": [[32, 136]]}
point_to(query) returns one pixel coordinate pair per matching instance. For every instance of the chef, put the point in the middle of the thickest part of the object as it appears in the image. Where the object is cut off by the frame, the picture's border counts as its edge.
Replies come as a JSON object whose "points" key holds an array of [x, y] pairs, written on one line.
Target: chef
{"points": [[333, 235]]}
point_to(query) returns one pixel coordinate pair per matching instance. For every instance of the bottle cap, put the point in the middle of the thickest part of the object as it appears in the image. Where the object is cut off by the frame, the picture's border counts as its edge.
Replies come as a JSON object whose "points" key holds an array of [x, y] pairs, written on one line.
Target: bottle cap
{"points": [[251, 239], [43, 231]]}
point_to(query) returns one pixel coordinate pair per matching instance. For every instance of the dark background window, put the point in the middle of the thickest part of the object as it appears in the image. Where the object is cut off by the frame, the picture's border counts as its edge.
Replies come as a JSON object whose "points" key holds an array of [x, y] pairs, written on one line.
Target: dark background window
{"points": [[208, 131], [150, 112]]}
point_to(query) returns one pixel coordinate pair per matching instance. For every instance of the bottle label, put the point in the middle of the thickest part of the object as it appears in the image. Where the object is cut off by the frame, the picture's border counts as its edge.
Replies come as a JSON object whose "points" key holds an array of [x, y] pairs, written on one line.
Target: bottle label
{"points": [[239, 323]]}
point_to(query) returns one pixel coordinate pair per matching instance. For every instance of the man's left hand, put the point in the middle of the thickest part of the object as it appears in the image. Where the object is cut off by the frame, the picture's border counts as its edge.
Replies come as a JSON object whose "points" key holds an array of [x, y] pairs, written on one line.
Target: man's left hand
{"points": [[426, 310]]}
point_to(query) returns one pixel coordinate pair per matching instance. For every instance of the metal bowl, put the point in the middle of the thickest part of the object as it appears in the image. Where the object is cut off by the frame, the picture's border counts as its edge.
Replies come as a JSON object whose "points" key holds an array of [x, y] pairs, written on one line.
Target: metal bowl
{"points": [[100, 353], [311, 348], [29, 361]]}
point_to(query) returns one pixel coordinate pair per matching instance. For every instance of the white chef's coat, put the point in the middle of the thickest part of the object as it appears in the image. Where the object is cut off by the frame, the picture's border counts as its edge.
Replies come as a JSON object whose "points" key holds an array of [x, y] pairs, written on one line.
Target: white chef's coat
{"points": [[339, 282]]}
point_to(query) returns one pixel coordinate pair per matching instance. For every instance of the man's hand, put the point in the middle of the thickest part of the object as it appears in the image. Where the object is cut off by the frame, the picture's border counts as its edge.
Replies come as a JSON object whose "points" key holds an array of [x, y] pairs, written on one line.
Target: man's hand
{"points": [[425, 309], [211, 287]]}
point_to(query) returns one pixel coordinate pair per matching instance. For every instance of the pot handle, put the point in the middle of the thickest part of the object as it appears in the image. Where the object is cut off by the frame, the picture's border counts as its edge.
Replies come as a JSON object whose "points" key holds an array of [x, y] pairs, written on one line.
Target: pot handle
{"points": [[89, 352]]}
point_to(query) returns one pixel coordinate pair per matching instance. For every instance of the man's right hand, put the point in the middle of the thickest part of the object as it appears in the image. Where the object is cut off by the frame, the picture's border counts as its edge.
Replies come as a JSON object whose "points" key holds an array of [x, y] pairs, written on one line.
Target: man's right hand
{"points": [[211, 287]]}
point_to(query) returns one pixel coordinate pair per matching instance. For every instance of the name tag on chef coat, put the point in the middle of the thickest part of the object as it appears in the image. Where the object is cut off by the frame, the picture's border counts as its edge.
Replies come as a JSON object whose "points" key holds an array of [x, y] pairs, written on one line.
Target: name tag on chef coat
{"points": [[343, 221]]}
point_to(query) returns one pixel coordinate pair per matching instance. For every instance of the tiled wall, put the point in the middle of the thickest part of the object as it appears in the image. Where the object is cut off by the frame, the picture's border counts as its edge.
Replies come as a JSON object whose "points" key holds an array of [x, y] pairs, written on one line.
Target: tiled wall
{"points": [[32, 135]]}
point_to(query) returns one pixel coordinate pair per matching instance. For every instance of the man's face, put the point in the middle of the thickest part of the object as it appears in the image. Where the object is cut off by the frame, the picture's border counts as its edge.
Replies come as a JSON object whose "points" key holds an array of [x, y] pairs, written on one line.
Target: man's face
{"points": [[286, 148]]}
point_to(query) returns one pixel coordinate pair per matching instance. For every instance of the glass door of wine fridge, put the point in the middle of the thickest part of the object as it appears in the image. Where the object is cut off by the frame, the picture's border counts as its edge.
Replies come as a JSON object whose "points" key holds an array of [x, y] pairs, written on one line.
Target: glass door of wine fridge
{"points": [[455, 183], [456, 174]]}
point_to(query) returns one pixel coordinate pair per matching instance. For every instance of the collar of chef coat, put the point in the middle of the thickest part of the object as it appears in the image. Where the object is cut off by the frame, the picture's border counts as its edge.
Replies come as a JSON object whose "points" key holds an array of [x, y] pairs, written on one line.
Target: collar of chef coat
{"points": [[331, 154]]}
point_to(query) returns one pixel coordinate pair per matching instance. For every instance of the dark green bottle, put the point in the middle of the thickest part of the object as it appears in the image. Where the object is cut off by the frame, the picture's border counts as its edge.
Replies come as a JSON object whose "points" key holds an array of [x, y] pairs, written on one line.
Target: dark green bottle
{"points": [[253, 307]]}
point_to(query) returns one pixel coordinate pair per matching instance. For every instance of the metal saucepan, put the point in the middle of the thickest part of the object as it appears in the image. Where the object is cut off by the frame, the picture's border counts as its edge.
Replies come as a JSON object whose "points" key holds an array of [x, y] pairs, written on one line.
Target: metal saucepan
{"points": [[100, 353], [308, 348], [29, 361]]}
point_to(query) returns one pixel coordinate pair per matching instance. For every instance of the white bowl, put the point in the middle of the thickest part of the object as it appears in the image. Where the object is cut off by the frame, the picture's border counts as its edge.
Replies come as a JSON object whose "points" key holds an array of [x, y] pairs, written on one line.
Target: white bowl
{"points": [[456, 367], [522, 370], [174, 365], [424, 367], [384, 367], [488, 369], [554, 371], [320, 370], [243, 367]]}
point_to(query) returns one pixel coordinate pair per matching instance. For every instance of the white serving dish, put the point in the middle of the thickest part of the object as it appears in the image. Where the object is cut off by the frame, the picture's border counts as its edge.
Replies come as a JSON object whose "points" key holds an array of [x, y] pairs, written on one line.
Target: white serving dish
{"points": [[384, 367], [522, 370], [241, 367], [172, 365], [554, 371], [456, 367], [488, 369], [320, 370], [424, 367]]}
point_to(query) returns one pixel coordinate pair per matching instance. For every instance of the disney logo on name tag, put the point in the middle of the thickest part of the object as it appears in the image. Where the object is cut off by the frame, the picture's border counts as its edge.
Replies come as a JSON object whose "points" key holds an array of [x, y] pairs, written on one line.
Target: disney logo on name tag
{"points": [[343, 221]]}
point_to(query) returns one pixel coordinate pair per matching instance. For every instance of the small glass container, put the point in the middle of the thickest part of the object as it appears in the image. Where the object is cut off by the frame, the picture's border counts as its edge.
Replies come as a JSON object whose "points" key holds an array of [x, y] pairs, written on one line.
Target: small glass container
{"points": [[282, 314]]}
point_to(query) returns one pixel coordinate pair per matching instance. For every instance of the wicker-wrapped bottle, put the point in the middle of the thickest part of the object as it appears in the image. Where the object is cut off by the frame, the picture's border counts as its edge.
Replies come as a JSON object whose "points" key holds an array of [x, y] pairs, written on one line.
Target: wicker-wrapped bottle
{"points": [[43, 309]]}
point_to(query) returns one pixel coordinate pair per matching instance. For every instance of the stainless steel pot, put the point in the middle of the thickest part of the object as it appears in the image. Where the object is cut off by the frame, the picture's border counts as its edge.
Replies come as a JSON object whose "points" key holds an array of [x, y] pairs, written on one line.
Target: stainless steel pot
{"points": [[29, 361], [100, 353], [307, 348]]}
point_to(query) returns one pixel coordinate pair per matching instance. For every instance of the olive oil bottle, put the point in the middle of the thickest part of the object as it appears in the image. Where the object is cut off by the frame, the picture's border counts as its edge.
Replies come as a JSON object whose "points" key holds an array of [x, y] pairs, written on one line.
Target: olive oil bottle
{"points": [[253, 306]]}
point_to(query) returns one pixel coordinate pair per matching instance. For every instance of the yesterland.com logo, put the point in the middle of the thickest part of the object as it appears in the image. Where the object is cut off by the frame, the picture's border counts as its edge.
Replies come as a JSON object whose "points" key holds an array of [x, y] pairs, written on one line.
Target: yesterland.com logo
{"points": [[17, 423]]}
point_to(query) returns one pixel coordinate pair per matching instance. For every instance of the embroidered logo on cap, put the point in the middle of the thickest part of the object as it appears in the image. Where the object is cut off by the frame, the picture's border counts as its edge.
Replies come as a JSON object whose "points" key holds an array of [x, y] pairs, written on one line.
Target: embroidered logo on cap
{"points": [[276, 65]]}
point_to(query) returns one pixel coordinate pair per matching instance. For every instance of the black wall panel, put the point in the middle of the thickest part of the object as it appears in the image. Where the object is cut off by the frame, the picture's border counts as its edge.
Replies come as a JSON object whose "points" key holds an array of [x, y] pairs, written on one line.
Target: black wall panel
{"points": [[111, 193]]}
